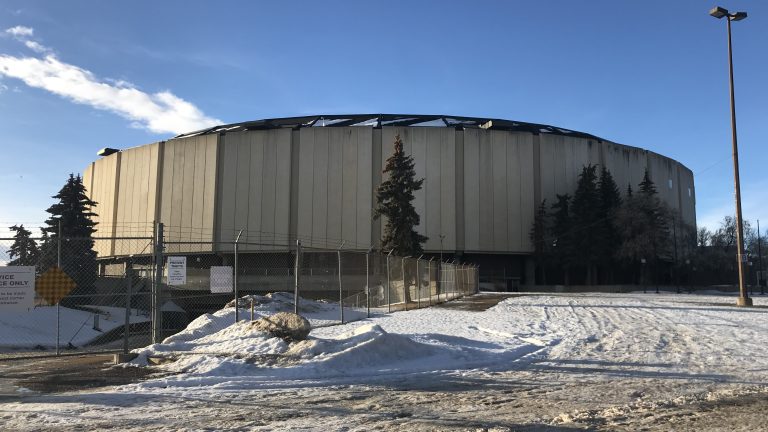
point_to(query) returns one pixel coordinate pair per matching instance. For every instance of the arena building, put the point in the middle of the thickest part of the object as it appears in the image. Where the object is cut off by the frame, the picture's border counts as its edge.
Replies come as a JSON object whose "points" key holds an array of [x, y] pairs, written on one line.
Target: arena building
{"points": [[314, 178]]}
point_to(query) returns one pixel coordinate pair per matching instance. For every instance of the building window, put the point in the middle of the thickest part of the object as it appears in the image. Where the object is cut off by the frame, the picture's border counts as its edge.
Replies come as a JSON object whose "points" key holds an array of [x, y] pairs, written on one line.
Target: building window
{"points": [[670, 183]]}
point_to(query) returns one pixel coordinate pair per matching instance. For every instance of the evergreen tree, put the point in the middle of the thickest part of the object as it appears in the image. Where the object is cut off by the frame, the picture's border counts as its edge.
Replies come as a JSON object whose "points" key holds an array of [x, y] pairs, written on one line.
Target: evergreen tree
{"points": [[585, 212], [647, 186], [562, 248], [71, 225], [539, 236], [24, 250], [644, 226], [633, 227], [658, 215], [394, 199], [609, 239]]}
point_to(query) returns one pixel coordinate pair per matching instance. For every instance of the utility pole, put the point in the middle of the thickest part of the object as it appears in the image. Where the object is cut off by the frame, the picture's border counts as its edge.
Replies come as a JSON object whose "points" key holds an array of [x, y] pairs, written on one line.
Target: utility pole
{"points": [[744, 299], [760, 257]]}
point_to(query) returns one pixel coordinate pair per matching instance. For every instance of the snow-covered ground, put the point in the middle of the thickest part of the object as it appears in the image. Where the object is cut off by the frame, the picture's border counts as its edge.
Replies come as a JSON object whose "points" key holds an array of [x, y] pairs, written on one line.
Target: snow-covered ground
{"points": [[37, 327], [611, 361]]}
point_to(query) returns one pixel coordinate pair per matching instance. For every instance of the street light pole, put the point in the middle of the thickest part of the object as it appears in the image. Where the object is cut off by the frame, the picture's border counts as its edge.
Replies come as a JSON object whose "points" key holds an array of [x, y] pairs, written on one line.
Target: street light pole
{"points": [[760, 257], [744, 299]]}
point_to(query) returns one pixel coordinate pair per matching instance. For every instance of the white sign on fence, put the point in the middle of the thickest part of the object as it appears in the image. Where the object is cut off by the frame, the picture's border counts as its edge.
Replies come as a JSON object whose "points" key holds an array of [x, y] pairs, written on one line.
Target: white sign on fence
{"points": [[177, 270], [17, 288], [221, 279]]}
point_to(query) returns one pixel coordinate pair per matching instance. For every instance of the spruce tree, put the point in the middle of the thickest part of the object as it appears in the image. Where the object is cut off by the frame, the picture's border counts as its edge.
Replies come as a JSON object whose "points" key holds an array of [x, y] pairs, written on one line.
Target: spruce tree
{"points": [[647, 186], [71, 225], [608, 240], [394, 199], [24, 250], [562, 247], [633, 228], [643, 225], [539, 236], [658, 218], [585, 212]]}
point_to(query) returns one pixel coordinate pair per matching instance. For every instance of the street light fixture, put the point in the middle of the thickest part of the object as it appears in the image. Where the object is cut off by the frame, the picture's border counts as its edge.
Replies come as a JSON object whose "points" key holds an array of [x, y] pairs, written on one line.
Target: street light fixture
{"points": [[744, 299]]}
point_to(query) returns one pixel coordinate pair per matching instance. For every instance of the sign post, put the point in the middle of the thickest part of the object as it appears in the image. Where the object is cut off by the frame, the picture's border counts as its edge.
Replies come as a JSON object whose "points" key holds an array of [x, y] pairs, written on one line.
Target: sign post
{"points": [[52, 286]]}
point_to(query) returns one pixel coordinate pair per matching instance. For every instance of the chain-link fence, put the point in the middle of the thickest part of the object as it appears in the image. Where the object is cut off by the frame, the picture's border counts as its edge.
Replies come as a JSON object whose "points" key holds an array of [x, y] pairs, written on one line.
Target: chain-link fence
{"points": [[120, 293], [80, 302]]}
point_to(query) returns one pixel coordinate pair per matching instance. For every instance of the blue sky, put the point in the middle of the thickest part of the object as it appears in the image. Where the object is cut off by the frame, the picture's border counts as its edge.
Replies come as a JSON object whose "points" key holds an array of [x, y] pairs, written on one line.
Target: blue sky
{"points": [[77, 76]]}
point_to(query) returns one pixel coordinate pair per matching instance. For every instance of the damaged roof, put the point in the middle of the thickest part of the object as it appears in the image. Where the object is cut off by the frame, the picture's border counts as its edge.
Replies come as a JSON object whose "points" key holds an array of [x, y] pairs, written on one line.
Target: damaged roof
{"points": [[379, 120]]}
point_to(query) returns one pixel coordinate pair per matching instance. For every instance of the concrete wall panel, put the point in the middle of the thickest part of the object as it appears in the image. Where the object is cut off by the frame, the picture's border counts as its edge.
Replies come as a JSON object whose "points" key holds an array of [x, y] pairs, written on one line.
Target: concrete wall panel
{"points": [[188, 183], [472, 189], [281, 142], [135, 197], [212, 186], [255, 197], [305, 178], [365, 186], [445, 217], [336, 169], [335, 186], [104, 180]]}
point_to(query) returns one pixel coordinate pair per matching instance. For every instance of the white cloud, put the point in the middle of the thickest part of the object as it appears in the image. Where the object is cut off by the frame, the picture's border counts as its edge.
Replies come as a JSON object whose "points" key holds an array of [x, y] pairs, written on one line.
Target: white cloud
{"points": [[36, 47], [161, 112], [20, 31]]}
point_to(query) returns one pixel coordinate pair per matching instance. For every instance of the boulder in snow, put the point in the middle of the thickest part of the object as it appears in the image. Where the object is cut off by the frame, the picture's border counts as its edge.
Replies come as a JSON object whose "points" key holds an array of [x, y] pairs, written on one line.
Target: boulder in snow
{"points": [[285, 325]]}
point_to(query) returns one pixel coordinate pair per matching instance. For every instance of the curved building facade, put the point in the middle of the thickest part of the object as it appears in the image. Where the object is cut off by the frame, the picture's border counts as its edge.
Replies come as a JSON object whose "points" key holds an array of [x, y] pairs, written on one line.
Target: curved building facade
{"points": [[314, 179]]}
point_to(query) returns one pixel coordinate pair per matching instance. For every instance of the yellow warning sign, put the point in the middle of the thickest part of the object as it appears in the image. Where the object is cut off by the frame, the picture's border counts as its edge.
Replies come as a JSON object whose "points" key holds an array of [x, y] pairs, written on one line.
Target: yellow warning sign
{"points": [[54, 285]]}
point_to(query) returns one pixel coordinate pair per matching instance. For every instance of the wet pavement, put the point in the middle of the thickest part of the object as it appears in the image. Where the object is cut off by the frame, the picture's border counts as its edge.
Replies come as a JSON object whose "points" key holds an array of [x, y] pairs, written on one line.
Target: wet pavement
{"points": [[31, 376]]}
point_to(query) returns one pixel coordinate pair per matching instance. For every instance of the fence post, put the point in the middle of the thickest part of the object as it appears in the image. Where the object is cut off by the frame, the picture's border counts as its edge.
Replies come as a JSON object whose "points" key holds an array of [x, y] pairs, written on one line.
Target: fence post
{"points": [[368, 283], [296, 271], [456, 290], [157, 285], [429, 281], [234, 281], [341, 292], [402, 270], [128, 288], [464, 279], [437, 281], [389, 285], [58, 303], [418, 283], [477, 278]]}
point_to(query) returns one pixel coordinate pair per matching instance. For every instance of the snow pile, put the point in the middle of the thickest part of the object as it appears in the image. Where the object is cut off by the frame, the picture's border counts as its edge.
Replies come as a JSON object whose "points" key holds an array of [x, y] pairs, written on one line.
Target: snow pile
{"points": [[366, 348], [213, 349]]}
